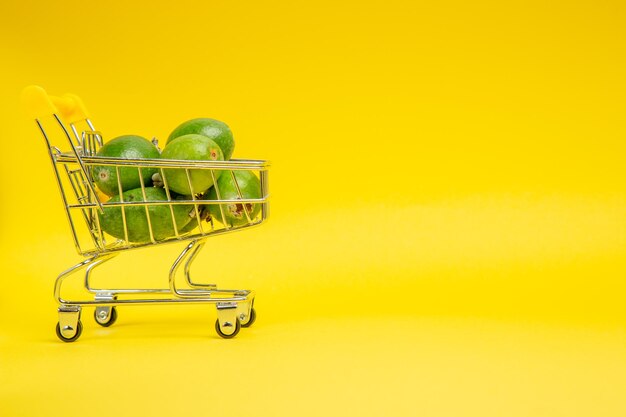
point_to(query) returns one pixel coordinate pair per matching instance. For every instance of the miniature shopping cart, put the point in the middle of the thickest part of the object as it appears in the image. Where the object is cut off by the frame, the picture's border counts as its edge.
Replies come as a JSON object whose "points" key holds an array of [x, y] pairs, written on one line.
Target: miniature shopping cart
{"points": [[64, 119]]}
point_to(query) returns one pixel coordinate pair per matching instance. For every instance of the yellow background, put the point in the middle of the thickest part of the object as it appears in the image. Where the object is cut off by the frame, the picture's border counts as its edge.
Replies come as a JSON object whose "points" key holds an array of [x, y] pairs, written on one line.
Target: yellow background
{"points": [[448, 228]]}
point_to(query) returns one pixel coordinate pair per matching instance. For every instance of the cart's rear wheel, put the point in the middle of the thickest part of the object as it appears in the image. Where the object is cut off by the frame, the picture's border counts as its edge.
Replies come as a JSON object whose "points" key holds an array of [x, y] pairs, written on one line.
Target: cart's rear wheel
{"points": [[79, 330], [112, 317], [219, 331], [251, 319]]}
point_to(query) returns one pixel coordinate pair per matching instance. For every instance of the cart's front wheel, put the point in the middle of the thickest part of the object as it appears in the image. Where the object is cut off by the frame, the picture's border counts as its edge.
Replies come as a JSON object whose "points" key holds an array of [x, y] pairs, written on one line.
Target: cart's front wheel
{"points": [[228, 335], [105, 318], [79, 330]]}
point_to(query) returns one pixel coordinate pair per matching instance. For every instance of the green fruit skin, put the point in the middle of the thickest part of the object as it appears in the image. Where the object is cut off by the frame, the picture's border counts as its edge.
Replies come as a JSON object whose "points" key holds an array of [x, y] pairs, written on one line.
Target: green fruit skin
{"points": [[127, 147], [193, 223], [138, 230], [250, 187], [191, 147], [218, 131]]}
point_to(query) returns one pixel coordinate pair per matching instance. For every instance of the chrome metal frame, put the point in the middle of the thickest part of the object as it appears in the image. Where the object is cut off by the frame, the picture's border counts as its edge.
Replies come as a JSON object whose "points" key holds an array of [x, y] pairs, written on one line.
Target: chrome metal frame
{"points": [[81, 200]]}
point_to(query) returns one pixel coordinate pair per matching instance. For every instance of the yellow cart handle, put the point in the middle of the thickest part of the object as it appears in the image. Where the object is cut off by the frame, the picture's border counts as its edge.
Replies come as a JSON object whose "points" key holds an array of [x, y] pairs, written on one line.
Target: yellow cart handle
{"points": [[39, 104]]}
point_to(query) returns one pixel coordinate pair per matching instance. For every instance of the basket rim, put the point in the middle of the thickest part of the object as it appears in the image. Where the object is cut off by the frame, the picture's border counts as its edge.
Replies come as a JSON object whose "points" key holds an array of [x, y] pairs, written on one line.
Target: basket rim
{"points": [[256, 164]]}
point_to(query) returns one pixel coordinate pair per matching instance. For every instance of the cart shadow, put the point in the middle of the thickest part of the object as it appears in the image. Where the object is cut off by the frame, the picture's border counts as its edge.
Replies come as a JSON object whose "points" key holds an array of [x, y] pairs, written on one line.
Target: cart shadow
{"points": [[174, 329]]}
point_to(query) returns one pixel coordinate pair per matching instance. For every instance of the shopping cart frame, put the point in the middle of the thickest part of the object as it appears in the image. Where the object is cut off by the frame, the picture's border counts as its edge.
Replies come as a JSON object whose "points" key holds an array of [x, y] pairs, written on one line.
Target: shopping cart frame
{"points": [[72, 169]]}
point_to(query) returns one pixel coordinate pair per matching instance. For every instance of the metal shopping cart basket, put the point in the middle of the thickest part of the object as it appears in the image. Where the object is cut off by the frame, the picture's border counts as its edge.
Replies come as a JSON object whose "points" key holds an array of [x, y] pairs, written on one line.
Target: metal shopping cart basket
{"points": [[64, 119]]}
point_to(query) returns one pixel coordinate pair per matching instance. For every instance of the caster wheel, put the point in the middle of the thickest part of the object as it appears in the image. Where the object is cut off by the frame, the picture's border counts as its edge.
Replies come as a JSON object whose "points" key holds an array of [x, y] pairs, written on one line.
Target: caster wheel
{"points": [[218, 329], [111, 319], [251, 319], [79, 330]]}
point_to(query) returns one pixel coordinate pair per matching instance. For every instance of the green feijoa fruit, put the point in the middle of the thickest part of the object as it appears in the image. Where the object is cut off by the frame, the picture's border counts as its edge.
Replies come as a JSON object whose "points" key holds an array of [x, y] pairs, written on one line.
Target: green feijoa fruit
{"points": [[111, 220], [193, 223], [126, 147], [191, 226], [235, 213], [216, 130], [191, 147]]}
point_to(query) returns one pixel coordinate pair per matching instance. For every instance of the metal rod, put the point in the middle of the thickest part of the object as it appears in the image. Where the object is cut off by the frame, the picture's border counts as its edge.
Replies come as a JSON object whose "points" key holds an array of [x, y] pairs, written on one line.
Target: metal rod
{"points": [[237, 164], [121, 194], [92, 266], [60, 184], [245, 209], [264, 193], [193, 197], [217, 194], [169, 199], [145, 199], [78, 192], [188, 299], [176, 265], [78, 158], [192, 257], [167, 203]]}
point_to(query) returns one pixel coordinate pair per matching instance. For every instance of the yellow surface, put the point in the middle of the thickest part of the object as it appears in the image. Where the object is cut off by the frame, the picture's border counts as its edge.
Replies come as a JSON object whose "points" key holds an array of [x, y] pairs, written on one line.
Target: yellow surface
{"points": [[448, 230]]}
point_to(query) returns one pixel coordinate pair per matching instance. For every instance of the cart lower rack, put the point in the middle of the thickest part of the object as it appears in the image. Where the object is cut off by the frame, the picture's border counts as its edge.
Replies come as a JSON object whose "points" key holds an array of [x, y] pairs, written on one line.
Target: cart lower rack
{"points": [[65, 120]]}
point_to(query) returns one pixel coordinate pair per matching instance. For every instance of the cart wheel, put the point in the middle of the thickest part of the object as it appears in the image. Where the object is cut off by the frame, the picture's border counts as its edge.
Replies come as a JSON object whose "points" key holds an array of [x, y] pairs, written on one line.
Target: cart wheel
{"points": [[112, 317], [251, 319], [79, 330], [218, 329]]}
